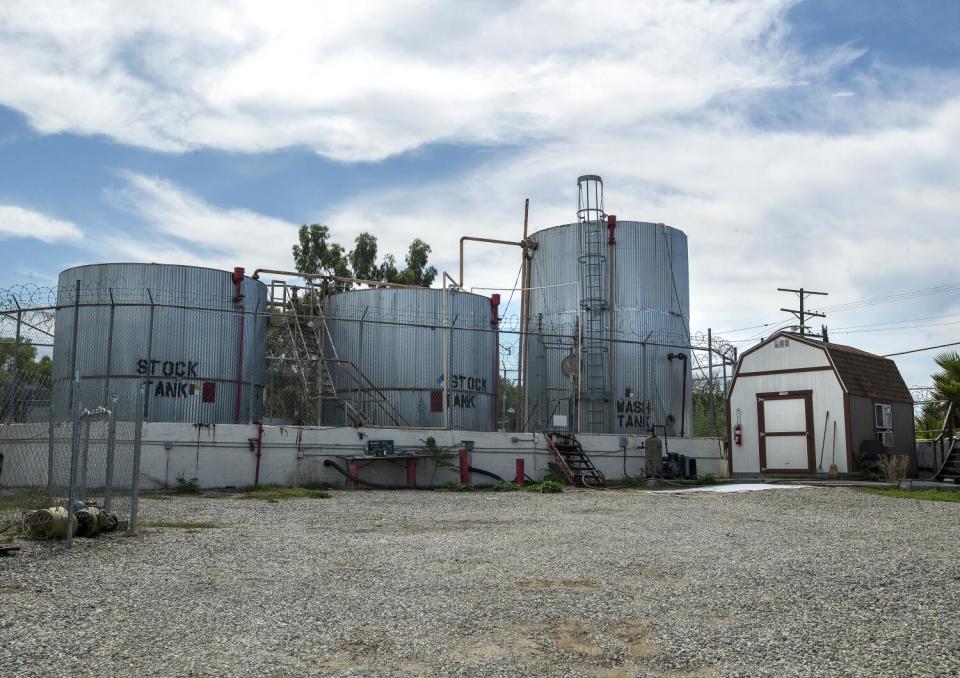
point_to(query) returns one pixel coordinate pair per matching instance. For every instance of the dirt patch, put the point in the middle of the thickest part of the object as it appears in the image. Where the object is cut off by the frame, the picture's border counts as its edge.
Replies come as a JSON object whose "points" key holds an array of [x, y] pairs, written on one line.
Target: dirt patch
{"points": [[634, 634], [574, 637], [12, 588], [575, 585]]}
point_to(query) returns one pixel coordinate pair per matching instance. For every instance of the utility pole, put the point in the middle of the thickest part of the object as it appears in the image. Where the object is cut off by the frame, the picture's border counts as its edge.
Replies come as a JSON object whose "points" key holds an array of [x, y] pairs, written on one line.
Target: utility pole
{"points": [[802, 314]]}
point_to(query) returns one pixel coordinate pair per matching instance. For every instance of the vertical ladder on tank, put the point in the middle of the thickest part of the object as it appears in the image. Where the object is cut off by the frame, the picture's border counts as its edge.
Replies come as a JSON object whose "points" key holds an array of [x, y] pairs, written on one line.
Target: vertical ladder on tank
{"points": [[594, 391]]}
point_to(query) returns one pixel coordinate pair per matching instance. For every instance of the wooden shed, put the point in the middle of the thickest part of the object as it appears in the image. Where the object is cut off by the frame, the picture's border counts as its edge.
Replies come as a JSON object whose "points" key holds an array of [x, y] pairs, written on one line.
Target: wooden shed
{"points": [[797, 405]]}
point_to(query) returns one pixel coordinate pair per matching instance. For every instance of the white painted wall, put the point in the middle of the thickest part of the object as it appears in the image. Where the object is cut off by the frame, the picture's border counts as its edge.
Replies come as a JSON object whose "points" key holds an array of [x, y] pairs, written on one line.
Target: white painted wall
{"points": [[221, 455], [827, 396], [792, 356]]}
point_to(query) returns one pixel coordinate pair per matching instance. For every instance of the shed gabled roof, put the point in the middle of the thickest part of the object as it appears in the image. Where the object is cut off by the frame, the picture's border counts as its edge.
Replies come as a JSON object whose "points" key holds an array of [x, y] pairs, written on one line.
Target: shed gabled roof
{"points": [[867, 374], [863, 374]]}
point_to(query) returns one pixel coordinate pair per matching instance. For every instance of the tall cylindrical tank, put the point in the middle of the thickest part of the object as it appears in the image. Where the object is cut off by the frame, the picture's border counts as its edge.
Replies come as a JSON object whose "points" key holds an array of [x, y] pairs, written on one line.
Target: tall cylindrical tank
{"points": [[197, 336], [390, 344], [645, 314]]}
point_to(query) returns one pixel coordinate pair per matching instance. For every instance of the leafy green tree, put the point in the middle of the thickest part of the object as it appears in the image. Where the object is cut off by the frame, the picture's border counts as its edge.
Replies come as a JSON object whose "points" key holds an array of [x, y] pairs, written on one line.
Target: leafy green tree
{"points": [[29, 364], [314, 252], [417, 271], [363, 257], [703, 416]]}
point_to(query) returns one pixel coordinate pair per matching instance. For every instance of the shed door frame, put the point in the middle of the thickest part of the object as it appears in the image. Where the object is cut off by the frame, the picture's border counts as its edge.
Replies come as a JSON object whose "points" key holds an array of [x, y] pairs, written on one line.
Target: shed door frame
{"points": [[807, 397]]}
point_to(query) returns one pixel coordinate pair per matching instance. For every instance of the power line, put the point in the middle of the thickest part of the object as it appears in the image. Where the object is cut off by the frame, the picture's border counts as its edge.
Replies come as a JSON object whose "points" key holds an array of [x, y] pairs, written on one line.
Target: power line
{"points": [[890, 298], [918, 350], [861, 303]]}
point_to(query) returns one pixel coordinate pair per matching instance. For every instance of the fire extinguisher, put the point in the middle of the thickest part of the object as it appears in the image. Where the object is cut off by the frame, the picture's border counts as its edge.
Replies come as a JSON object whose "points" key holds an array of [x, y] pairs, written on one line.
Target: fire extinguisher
{"points": [[738, 431]]}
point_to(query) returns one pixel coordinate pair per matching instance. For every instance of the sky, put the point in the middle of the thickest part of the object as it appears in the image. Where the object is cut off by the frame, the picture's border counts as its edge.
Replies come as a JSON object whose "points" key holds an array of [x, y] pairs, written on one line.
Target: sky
{"points": [[796, 143]]}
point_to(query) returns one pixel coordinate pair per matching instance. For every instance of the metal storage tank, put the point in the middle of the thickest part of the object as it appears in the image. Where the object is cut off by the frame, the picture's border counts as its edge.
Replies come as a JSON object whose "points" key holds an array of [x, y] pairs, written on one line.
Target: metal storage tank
{"points": [[394, 338], [198, 335], [645, 301]]}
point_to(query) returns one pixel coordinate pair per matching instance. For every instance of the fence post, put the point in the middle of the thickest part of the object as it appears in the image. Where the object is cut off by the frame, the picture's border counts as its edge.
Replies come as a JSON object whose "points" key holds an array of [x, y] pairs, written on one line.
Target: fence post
{"points": [[74, 457], [137, 442], [108, 472], [144, 411], [75, 408], [13, 390], [84, 460], [106, 381]]}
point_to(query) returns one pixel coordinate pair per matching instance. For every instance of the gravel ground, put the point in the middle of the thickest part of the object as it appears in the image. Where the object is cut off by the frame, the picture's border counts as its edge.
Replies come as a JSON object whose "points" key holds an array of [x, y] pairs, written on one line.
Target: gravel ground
{"points": [[610, 583]]}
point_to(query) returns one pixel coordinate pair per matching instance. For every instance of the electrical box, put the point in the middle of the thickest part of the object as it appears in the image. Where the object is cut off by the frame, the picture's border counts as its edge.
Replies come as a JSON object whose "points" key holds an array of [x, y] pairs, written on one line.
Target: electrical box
{"points": [[380, 448]]}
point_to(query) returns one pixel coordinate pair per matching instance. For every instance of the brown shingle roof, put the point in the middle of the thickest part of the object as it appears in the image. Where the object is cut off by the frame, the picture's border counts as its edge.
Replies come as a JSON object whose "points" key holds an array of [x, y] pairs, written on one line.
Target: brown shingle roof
{"points": [[869, 375]]}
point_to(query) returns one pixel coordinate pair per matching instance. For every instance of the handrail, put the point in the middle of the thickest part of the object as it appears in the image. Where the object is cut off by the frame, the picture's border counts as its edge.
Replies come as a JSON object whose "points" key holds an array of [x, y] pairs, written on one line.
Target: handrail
{"points": [[364, 381], [561, 462], [941, 450]]}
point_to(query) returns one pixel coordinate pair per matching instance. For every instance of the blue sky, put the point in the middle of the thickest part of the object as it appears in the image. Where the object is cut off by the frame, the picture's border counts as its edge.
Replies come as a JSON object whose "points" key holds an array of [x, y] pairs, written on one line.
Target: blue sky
{"points": [[797, 143]]}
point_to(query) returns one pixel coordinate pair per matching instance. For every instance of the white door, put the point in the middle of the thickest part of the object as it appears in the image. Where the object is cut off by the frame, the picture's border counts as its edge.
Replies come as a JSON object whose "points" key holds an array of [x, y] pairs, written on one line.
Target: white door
{"points": [[785, 432]]}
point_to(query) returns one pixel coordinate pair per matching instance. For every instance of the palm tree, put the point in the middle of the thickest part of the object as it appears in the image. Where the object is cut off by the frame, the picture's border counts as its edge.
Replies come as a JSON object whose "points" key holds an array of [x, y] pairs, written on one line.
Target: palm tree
{"points": [[946, 390]]}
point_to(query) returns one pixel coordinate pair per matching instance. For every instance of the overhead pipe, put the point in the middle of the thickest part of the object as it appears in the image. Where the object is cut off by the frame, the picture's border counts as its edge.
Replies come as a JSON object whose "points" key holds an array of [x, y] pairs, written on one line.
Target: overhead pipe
{"points": [[494, 241], [334, 278]]}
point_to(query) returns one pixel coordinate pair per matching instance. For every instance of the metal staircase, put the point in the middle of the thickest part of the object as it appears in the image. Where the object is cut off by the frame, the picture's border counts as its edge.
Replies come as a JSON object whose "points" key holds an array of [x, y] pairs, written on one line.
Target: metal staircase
{"points": [[309, 341], [946, 449], [594, 391], [569, 456]]}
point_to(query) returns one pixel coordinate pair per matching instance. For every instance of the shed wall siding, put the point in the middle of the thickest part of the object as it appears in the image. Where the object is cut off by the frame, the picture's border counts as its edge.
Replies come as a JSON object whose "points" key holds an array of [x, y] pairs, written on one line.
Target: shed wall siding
{"points": [[827, 396], [793, 356]]}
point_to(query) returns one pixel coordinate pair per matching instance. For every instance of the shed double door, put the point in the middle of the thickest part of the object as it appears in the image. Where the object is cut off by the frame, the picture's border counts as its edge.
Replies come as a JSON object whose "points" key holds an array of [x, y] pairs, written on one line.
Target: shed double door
{"points": [[786, 436]]}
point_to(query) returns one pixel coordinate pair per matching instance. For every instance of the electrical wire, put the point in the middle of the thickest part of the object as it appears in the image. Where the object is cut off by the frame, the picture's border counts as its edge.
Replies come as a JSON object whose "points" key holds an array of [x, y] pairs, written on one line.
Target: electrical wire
{"points": [[918, 350]]}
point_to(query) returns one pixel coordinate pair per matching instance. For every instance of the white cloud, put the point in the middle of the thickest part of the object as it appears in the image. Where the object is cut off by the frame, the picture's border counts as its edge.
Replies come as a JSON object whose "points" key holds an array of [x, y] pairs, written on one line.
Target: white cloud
{"points": [[17, 222], [361, 81], [182, 228], [859, 215]]}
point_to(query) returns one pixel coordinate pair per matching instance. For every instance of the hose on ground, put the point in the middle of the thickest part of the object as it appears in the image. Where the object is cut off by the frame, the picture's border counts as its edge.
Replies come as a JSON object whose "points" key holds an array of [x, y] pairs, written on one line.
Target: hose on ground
{"points": [[385, 486], [474, 469]]}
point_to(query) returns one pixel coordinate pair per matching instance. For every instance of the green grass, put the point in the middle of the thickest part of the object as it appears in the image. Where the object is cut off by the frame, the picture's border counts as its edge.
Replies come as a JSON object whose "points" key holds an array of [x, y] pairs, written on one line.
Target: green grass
{"points": [[923, 495], [275, 493]]}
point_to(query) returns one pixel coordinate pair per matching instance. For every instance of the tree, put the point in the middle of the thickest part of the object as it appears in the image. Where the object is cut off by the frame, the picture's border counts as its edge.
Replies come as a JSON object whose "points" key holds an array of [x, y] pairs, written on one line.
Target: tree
{"points": [[315, 253], [28, 365], [363, 257], [946, 390], [417, 271], [703, 416]]}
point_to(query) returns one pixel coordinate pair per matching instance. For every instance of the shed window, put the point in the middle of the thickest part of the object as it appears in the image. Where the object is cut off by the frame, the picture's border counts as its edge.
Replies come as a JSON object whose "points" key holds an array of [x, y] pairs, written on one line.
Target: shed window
{"points": [[883, 415], [883, 421]]}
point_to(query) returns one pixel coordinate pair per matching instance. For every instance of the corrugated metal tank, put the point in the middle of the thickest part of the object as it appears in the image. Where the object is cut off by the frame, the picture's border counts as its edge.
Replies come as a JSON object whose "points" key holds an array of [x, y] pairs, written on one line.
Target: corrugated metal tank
{"points": [[395, 337], [648, 301], [205, 361]]}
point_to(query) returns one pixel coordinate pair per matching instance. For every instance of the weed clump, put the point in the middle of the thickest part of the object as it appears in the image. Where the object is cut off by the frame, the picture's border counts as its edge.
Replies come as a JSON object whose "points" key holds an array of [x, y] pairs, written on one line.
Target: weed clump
{"points": [[546, 487], [185, 486], [454, 486], [505, 486]]}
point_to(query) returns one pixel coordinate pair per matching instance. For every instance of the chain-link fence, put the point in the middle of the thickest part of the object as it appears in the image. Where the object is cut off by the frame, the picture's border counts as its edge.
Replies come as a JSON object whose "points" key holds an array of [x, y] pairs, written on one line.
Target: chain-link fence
{"points": [[66, 468], [83, 364]]}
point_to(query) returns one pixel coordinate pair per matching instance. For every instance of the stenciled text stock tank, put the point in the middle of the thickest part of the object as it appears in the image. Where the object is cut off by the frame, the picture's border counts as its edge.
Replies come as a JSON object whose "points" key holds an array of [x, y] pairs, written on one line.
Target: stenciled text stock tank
{"points": [[646, 321], [196, 336], [390, 342]]}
